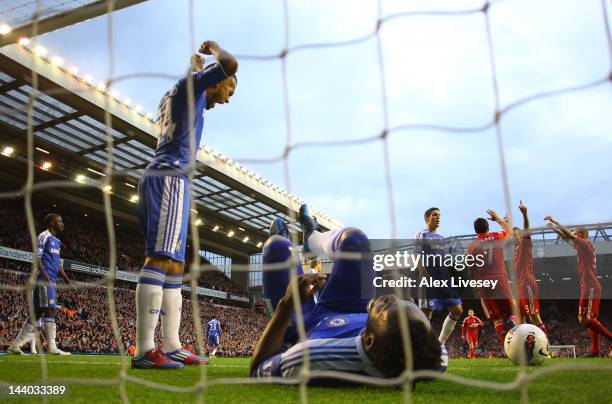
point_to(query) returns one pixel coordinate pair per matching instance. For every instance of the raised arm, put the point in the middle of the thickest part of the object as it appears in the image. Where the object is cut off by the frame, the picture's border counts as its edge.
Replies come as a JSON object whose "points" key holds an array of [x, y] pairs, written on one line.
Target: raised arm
{"points": [[523, 209], [565, 233], [271, 341], [493, 216], [227, 61]]}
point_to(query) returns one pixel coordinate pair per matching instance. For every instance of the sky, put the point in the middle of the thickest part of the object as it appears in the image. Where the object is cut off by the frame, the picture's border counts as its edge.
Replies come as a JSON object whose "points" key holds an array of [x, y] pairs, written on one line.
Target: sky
{"points": [[436, 70]]}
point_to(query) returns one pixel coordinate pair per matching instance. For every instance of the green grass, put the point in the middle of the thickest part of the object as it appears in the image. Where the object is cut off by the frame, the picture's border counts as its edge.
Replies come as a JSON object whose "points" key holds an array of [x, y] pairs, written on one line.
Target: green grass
{"points": [[562, 387]]}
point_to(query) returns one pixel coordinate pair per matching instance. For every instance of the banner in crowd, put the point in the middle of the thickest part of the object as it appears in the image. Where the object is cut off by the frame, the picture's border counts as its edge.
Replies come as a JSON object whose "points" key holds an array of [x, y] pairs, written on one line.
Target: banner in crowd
{"points": [[16, 255], [26, 256], [239, 298]]}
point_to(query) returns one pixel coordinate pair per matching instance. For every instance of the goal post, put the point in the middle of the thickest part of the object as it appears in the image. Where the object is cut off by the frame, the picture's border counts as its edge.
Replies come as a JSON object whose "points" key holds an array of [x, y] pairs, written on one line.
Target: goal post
{"points": [[562, 351]]}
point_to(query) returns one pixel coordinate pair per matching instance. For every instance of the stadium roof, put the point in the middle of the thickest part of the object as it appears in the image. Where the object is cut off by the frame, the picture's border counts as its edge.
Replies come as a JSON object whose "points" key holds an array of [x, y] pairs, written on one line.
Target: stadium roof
{"points": [[18, 16], [68, 125]]}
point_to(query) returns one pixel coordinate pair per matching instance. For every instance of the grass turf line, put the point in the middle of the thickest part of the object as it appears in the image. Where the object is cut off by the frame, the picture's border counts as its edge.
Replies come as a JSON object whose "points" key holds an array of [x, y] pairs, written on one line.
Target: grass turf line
{"points": [[567, 386]]}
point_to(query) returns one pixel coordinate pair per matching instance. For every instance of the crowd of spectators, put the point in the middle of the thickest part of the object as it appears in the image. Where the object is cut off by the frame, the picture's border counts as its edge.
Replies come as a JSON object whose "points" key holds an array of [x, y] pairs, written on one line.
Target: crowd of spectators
{"points": [[90, 330], [85, 240], [560, 317]]}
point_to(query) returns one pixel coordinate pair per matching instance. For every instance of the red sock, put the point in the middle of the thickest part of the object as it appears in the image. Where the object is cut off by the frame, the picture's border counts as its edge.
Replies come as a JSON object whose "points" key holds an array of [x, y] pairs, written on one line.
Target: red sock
{"points": [[500, 330], [598, 327], [472, 353], [594, 342], [542, 327]]}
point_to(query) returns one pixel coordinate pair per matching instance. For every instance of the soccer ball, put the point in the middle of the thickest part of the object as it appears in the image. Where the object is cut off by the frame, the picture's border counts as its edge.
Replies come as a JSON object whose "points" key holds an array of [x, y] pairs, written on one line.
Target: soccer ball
{"points": [[526, 343]]}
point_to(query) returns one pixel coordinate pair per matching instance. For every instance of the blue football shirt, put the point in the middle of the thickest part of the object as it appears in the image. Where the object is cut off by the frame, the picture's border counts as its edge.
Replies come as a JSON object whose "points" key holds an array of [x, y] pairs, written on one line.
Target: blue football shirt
{"points": [[432, 245], [49, 253], [173, 148], [213, 328]]}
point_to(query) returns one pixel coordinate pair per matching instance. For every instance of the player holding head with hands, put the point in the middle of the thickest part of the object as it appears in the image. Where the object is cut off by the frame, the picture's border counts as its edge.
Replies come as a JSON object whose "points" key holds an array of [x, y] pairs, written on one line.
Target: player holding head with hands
{"points": [[163, 206], [590, 288]]}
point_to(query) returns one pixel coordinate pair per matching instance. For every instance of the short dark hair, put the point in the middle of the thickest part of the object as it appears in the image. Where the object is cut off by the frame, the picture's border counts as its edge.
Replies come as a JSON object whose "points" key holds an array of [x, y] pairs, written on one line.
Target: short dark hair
{"points": [[581, 230], [481, 225], [49, 218], [429, 211], [426, 349]]}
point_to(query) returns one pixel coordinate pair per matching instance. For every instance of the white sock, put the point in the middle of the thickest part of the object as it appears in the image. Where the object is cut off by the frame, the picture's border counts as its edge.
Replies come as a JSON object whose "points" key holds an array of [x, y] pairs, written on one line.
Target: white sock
{"points": [[24, 333], [148, 304], [214, 352], [50, 331], [33, 343], [447, 329], [323, 243], [172, 302]]}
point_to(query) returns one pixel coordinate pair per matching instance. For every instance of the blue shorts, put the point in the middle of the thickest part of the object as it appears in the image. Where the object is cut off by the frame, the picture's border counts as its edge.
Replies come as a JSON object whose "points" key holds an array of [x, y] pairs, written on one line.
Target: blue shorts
{"points": [[45, 297], [213, 340], [438, 298], [163, 210]]}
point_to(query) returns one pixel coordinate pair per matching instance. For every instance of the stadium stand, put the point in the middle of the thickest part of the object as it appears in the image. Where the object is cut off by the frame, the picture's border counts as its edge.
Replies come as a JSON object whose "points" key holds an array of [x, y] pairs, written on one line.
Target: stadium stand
{"points": [[560, 319], [81, 243], [89, 329]]}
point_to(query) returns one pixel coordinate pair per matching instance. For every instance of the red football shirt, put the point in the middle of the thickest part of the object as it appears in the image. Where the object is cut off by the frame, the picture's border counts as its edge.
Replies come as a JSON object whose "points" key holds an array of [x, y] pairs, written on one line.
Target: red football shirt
{"points": [[466, 326], [491, 246], [587, 270], [523, 262]]}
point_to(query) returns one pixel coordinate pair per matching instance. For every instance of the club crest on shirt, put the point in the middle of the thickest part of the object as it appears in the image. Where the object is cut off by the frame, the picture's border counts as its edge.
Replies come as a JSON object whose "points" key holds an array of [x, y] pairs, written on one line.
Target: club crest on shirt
{"points": [[337, 322], [266, 369]]}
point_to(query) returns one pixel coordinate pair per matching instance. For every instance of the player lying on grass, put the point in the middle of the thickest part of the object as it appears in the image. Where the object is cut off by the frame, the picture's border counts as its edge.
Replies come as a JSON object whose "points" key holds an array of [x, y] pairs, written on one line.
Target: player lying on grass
{"points": [[436, 298], [498, 300], [526, 285], [469, 332], [45, 300], [163, 208], [590, 288], [347, 329]]}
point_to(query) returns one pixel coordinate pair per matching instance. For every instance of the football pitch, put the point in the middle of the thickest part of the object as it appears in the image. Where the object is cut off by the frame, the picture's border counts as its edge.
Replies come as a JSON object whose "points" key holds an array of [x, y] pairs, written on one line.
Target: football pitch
{"points": [[568, 386]]}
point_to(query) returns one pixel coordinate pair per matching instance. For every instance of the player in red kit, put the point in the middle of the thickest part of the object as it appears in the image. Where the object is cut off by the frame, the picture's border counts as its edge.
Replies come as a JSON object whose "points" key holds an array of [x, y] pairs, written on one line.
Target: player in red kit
{"points": [[527, 286], [590, 288], [498, 299], [469, 332]]}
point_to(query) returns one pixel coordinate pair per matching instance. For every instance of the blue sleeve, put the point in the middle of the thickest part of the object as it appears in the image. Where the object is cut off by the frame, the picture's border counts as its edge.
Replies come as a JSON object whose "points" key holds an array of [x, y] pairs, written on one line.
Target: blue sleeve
{"points": [[219, 326], [209, 77], [268, 368]]}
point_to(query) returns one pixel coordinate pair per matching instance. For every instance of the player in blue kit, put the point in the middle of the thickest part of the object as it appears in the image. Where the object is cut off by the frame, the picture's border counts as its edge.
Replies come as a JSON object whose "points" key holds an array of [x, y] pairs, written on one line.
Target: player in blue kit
{"points": [[45, 294], [213, 330], [163, 207], [347, 329], [430, 244]]}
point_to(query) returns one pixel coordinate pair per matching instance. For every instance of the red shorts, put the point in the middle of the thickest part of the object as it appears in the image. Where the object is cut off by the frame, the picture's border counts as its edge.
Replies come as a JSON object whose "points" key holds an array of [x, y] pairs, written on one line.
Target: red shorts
{"points": [[498, 301], [589, 302], [528, 299], [472, 339]]}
